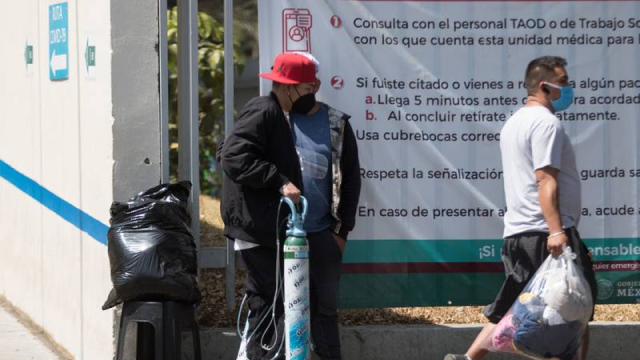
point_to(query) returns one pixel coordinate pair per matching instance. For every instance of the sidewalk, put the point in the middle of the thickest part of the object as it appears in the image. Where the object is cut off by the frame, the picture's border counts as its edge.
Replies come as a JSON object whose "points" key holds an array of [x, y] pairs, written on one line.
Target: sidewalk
{"points": [[17, 342], [609, 340]]}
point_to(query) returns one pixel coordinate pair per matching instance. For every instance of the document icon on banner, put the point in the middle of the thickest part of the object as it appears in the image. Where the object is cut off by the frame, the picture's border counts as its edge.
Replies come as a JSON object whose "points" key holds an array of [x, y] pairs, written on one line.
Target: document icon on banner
{"points": [[296, 30]]}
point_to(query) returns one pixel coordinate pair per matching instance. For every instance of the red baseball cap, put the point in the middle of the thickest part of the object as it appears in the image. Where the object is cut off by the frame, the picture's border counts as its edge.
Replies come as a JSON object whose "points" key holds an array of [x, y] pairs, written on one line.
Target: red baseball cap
{"points": [[291, 68]]}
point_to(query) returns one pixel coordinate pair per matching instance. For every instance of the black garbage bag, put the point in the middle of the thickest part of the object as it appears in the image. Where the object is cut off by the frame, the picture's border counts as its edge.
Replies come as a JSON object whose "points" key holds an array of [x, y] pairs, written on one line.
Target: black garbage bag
{"points": [[151, 247]]}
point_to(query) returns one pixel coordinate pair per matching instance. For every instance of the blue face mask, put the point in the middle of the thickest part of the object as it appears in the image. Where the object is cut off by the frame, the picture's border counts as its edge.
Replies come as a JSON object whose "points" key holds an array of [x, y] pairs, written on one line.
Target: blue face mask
{"points": [[565, 100]]}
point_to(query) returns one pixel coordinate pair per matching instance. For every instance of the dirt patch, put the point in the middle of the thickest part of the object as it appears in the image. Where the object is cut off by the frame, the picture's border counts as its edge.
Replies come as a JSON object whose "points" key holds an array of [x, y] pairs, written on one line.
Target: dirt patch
{"points": [[213, 311]]}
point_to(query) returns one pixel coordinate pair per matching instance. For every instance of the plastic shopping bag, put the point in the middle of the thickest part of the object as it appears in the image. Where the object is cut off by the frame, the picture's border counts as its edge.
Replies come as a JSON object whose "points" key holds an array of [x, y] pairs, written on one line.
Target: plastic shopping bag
{"points": [[549, 317], [151, 248]]}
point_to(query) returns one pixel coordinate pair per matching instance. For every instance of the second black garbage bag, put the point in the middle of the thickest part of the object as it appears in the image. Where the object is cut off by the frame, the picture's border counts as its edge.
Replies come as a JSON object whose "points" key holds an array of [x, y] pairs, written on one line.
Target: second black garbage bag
{"points": [[151, 248]]}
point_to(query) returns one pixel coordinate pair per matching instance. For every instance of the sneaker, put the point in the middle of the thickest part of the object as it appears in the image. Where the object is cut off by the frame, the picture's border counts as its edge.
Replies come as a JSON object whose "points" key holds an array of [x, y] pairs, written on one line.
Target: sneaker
{"points": [[455, 357]]}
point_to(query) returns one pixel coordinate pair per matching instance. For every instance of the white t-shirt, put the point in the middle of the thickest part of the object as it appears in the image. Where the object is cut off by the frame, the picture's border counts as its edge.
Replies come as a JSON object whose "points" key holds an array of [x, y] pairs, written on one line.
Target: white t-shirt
{"points": [[532, 139], [239, 245]]}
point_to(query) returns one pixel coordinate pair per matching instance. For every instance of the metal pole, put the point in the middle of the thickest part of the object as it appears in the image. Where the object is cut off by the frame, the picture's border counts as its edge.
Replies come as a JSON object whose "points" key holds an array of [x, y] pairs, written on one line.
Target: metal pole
{"points": [[228, 125], [164, 90], [228, 66], [188, 105]]}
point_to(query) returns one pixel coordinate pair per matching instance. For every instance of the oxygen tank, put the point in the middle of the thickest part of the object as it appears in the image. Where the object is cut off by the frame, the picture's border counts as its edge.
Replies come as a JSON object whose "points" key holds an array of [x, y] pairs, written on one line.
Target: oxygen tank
{"points": [[296, 285]]}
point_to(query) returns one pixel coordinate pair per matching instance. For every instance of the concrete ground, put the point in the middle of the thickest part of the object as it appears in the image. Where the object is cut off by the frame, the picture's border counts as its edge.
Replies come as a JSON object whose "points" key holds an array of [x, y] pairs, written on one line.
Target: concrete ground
{"points": [[609, 340], [20, 341]]}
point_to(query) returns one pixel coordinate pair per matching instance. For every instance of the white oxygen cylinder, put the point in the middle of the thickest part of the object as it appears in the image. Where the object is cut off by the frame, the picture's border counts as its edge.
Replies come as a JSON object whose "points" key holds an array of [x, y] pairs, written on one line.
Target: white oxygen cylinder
{"points": [[297, 322]]}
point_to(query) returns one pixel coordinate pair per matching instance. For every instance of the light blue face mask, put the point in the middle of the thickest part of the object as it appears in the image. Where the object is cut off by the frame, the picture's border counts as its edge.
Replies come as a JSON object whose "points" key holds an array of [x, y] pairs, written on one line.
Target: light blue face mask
{"points": [[566, 97]]}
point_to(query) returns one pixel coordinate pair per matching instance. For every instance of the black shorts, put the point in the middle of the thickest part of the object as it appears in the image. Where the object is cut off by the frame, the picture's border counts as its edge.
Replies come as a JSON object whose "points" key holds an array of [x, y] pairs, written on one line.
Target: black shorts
{"points": [[522, 255]]}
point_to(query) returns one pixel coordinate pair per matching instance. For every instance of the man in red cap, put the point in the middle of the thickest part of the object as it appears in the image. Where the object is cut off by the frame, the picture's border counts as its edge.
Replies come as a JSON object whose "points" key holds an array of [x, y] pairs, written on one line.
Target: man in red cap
{"points": [[288, 144]]}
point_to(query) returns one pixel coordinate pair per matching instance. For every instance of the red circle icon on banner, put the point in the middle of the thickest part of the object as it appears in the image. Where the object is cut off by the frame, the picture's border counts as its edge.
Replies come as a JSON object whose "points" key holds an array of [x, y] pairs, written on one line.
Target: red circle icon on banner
{"points": [[336, 22], [337, 82], [296, 34]]}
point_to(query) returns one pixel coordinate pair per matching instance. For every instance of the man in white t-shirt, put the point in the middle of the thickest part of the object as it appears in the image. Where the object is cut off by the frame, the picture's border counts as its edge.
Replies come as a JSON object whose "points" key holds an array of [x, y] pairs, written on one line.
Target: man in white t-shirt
{"points": [[542, 191]]}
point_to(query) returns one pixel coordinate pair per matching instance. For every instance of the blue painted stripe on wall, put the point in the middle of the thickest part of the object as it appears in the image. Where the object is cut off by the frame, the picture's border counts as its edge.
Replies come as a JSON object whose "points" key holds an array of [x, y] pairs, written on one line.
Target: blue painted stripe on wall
{"points": [[53, 202]]}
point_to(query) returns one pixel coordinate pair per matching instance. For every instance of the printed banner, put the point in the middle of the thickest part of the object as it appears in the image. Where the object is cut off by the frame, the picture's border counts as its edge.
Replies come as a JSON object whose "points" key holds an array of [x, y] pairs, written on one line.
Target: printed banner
{"points": [[429, 85]]}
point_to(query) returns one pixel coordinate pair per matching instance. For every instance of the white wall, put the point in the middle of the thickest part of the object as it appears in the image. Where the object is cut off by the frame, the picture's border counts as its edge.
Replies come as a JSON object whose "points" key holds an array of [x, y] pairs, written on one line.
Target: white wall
{"points": [[58, 134], [20, 143]]}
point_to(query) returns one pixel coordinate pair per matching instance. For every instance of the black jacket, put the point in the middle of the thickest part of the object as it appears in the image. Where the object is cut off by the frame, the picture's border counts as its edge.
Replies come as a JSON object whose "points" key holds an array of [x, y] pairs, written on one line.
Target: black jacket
{"points": [[258, 158]]}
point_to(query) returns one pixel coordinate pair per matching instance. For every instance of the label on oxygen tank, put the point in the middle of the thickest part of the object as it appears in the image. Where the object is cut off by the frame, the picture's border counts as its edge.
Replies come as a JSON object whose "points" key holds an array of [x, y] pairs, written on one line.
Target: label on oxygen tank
{"points": [[296, 300], [296, 252]]}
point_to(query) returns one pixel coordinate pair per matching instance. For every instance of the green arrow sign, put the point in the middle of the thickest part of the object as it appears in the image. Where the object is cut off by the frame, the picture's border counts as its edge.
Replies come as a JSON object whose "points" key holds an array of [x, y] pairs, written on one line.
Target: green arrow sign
{"points": [[28, 54], [90, 55]]}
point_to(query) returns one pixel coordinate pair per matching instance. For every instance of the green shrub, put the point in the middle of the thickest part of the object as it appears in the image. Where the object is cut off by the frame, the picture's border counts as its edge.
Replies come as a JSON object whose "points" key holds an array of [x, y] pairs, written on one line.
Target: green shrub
{"points": [[210, 95]]}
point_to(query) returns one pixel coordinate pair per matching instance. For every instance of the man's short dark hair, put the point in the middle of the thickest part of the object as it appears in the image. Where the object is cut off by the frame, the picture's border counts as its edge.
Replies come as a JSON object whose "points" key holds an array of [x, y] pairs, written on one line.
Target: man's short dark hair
{"points": [[541, 69]]}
